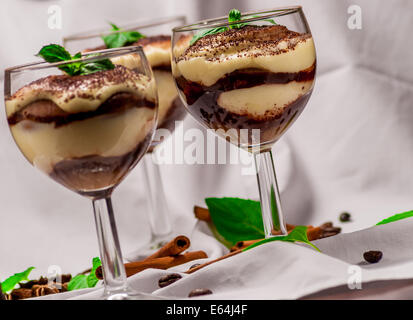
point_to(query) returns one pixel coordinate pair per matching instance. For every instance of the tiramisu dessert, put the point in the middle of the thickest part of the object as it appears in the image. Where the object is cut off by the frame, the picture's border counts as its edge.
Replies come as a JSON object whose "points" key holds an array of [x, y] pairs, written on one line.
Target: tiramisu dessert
{"points": [[85, 131], [158, 52], [251, 77]]}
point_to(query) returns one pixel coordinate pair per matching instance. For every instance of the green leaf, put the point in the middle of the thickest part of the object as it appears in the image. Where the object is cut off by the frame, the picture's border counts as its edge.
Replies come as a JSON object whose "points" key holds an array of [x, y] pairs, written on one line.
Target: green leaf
{"points": [[204, 33], [92, 280], [83, 281], [236, 219], [233, 16], [298, 234], [78, 282], [121, 39], [9, 284], [95, 66], [396, 217], [55, 53], [114, 26]]}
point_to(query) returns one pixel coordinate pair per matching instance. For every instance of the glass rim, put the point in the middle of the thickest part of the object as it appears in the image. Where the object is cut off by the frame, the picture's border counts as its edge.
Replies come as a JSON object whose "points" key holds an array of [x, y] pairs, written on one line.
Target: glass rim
{"points": [[103, 54], [147, 23], [223, 21]]}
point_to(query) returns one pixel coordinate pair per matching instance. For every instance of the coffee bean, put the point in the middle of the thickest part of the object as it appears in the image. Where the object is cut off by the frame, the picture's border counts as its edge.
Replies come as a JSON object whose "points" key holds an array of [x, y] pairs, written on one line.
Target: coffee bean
{"points": [[345, 217], [373, 256], [168, 279], [194, 265], [199, 292]]}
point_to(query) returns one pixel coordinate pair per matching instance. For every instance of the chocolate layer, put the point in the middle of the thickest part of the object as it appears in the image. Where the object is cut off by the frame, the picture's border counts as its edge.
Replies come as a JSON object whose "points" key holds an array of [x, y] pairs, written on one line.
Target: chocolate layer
{"points": [[162, 68], [202, 102], [46, 111], [94, 172], [240, 79], [215, 117]]}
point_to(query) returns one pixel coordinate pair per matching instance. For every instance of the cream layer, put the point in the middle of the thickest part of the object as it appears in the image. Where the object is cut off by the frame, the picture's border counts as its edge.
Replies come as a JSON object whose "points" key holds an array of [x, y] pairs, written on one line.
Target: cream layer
{"points": [[158, 55], [263, 100], [167, 93], [105, 135], [291, 55], [85, 94]]}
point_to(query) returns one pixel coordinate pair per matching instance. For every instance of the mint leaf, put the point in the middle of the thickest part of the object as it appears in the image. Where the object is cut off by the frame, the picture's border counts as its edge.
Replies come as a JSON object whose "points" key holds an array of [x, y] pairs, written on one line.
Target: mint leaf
{"points": [[396, 217], [83, 281], [92, 280], [9, 284], [233, 16], [298, 234], [114, 27], [78, 282], [204, 33], [55, 53], [236, 219], [95, 66], [121, 39]]}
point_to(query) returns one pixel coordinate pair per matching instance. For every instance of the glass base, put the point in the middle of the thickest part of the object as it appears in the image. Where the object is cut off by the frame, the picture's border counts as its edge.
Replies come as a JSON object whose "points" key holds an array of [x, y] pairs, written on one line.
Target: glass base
{"points": [[130, 295], [150, 248]]}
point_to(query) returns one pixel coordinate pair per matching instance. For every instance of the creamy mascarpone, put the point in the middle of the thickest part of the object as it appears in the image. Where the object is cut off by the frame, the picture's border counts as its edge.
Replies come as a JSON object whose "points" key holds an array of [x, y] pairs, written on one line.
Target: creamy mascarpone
{"points": [[106, 135], [265, 100], [85, 95], [198, 68]]}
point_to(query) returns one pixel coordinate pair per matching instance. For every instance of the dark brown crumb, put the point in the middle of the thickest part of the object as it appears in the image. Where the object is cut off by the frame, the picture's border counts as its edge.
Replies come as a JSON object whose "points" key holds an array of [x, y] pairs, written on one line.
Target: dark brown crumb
{"points": [[60, 83], [264, 38]]}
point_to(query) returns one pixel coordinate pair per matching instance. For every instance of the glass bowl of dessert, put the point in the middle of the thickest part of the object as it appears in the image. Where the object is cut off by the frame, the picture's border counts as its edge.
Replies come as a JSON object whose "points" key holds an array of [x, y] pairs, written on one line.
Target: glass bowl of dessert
{"points": [[154, 37], [85, 121], [248, 77]]}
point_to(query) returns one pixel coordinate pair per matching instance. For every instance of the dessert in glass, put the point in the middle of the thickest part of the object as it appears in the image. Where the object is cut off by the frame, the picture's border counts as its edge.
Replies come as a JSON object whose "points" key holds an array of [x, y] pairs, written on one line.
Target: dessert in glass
{"points": [[154, 37], [86, 128], [248, 77]]}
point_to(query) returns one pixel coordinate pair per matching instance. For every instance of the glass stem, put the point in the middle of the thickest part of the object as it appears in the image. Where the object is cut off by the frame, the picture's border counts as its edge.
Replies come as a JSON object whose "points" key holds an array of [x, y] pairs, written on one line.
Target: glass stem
{"points": [[110, 254], [272, 216], [158, 213]]}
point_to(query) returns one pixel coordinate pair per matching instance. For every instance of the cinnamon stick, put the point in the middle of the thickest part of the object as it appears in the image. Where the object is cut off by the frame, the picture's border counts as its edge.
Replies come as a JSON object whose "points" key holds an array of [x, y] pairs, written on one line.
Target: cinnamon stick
{"points": [[202, 214], [172, 248], [158, 263], [313, 233], [213, 261], [243, 244]]}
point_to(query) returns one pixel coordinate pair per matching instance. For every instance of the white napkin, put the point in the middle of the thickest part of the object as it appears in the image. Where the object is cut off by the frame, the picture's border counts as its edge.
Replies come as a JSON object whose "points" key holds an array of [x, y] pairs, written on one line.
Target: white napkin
{"points": [[270, 270]]}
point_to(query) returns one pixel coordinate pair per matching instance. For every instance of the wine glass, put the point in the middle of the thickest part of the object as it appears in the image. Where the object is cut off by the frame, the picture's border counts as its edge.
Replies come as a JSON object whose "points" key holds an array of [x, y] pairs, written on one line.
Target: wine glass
{"points": [[249, 79], [87, 132], [157, 47]]}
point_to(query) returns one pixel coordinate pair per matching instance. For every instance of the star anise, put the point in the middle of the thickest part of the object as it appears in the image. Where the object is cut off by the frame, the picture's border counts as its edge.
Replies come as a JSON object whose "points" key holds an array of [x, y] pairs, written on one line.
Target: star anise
{"points": [[43, 290]]}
